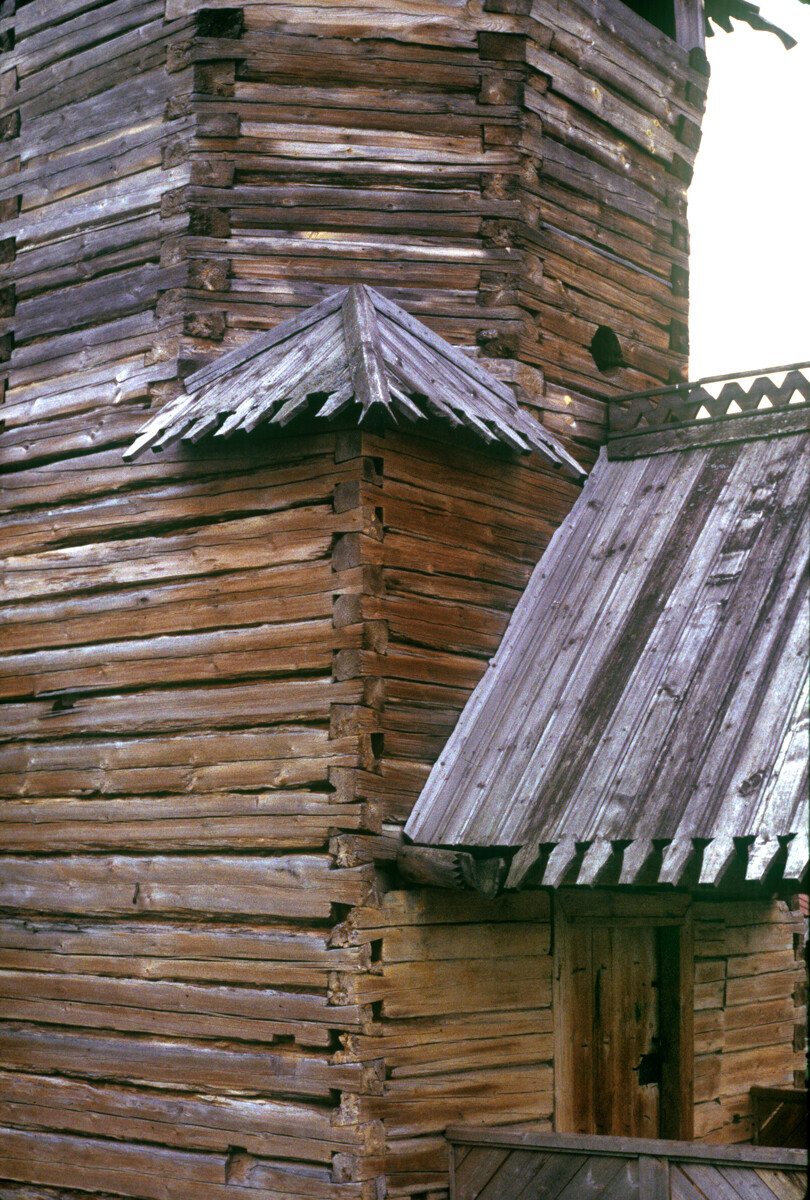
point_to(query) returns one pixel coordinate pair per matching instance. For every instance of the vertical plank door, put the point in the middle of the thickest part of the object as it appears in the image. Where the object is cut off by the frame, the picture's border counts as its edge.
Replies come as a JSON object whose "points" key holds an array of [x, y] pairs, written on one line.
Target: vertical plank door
{"points": [[613, 1024]]}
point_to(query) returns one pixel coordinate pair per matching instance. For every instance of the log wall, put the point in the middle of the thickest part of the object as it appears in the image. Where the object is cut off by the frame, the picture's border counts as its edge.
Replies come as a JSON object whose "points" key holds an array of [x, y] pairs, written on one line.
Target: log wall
{"points": [[462, 1001], [461, 533], [169, 186], [219, 674], [750, 1010], [217, 705], [170, 784], [464, 1017]]}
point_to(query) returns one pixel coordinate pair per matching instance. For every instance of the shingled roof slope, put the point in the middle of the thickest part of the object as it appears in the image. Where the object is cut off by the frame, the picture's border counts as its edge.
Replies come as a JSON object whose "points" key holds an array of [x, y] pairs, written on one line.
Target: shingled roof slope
{"points": [[355, 353], [650, 697]]}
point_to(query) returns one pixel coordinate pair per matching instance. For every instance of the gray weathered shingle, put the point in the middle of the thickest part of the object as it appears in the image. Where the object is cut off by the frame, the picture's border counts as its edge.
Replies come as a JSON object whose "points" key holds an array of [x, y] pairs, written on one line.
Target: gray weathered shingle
{"points": [[356, 353], [651, 688]]}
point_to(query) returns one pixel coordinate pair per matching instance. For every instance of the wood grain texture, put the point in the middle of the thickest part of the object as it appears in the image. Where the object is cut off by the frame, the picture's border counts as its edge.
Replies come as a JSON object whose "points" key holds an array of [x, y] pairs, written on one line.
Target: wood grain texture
{"points": [[226, 674], [494, 1162], [652, 621], [749, 1012]]}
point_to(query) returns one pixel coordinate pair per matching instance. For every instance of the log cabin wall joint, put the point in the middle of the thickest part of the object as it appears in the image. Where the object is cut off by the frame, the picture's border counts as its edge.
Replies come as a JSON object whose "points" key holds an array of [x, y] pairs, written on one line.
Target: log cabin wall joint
{"points": [[201, 63], [235, 671], [750, 1009]]}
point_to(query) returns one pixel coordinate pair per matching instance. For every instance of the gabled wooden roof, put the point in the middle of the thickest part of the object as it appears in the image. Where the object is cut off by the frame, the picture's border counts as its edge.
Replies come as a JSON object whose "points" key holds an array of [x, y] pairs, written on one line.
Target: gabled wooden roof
{"points": [[648, 708], [358, 354]]}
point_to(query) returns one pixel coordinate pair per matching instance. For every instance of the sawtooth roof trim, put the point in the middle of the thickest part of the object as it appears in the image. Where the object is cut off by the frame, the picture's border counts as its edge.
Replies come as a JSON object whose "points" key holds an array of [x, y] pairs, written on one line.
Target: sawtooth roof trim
{"points": [[645, 718], [355, 352]]}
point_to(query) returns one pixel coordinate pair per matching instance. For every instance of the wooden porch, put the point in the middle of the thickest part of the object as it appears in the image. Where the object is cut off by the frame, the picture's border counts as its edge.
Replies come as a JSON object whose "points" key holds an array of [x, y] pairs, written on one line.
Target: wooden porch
{"points": [[505, 1164]]}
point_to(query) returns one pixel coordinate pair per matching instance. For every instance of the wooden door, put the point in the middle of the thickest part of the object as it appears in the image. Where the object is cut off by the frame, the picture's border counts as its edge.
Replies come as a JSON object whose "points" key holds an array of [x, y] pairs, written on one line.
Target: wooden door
{"points": [[612, 1025]]}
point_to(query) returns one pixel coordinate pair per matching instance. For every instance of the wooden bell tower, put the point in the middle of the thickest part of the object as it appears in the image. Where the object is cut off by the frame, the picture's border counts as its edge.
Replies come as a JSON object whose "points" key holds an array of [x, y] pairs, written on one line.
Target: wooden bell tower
{"points": [[227, 669]]}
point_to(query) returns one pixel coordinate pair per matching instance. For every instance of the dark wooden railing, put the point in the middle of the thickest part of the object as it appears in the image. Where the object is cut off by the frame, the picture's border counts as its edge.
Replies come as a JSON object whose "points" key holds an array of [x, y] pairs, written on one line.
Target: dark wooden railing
{"points": [[714, 398], [506, 1164], [780, 1117]]}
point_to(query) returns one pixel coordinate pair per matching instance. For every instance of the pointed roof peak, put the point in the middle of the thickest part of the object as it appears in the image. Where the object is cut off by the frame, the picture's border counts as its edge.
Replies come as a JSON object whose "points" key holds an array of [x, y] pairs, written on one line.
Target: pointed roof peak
{"points": [[355, 350]]}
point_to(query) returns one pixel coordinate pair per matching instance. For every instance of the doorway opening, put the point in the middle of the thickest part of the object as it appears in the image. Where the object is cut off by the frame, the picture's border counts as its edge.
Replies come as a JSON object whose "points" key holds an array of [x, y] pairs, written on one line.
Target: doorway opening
{"points": [[623, 1016]]}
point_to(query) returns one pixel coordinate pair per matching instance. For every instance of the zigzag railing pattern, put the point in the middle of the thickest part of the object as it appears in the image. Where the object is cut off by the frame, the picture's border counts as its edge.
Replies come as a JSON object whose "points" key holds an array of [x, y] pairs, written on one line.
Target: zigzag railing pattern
{"points": [[682, 403]]}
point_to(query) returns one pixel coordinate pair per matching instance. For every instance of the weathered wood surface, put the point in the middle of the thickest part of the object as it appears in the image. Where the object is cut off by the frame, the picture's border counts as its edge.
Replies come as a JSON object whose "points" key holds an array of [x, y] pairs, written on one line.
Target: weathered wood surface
{"points": [[508, 1164], [222, 672], [464, 1023], [169, 187], [355, 354], [750, 1011], [780, 1116], [670, 611], [711, 399], [171, 781]]}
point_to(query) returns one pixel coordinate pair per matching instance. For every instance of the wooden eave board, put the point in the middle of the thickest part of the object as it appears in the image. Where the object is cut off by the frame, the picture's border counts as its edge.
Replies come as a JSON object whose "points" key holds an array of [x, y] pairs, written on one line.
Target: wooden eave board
{"points": [[321, 361], [652, 683]]}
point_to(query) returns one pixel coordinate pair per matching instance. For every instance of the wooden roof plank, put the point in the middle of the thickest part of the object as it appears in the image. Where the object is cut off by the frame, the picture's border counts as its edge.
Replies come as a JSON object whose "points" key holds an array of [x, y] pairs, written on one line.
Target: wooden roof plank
{"points": [[265, 341], [454, 356], [635, 857], [337, 402], [718, 856], [560, 860], [597, 857], [677, 857], [730, 702], [354, 332], [760, 856], [585, 664], [522, 863], [286, 375], [404, 404], [652, 681], [775, 732], [670, 670], [365, 352], [798, 856]]}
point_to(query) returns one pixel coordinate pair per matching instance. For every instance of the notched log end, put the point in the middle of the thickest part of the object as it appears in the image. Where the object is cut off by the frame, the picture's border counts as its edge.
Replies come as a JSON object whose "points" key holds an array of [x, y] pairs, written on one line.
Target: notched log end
{"points": [[457, 869]]}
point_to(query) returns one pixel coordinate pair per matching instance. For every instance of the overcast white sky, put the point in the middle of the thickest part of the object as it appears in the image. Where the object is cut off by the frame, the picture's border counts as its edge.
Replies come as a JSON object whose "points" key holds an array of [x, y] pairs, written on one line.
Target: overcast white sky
{"points": [[749, 203]]}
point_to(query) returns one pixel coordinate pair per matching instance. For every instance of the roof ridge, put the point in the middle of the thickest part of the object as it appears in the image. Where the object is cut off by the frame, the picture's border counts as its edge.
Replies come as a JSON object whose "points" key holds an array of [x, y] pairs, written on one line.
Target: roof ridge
{"points": [[355, 346]]}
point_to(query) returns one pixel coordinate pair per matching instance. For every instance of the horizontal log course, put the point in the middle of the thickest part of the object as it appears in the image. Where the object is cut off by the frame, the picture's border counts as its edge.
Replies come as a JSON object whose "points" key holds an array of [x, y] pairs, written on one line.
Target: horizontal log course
{"points": [[154, 1172], [282, 1129], [302, 886], [428, 1116], [172, 1008], [217, 1065], [167, 507], [269, 821], [226, 670]]}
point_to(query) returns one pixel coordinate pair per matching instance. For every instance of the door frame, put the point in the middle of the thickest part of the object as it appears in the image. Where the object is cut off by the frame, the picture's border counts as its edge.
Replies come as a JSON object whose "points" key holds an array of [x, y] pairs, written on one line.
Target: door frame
{"points": [[671, 915]]}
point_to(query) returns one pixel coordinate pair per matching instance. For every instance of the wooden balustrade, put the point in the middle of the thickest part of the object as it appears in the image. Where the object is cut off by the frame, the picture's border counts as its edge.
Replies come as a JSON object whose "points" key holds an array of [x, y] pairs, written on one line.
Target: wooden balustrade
{"points": [[510, 1164]]}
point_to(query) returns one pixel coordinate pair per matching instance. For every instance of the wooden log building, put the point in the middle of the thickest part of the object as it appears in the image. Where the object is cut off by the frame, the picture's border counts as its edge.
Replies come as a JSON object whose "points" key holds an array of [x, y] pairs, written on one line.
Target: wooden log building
{"points": [[354, 236], [639, 745]]}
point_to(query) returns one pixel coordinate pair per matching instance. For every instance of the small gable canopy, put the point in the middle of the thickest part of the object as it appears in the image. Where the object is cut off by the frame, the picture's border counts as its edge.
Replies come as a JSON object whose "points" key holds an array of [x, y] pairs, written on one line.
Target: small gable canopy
{"points": [[354, 354], [646, 716]]}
